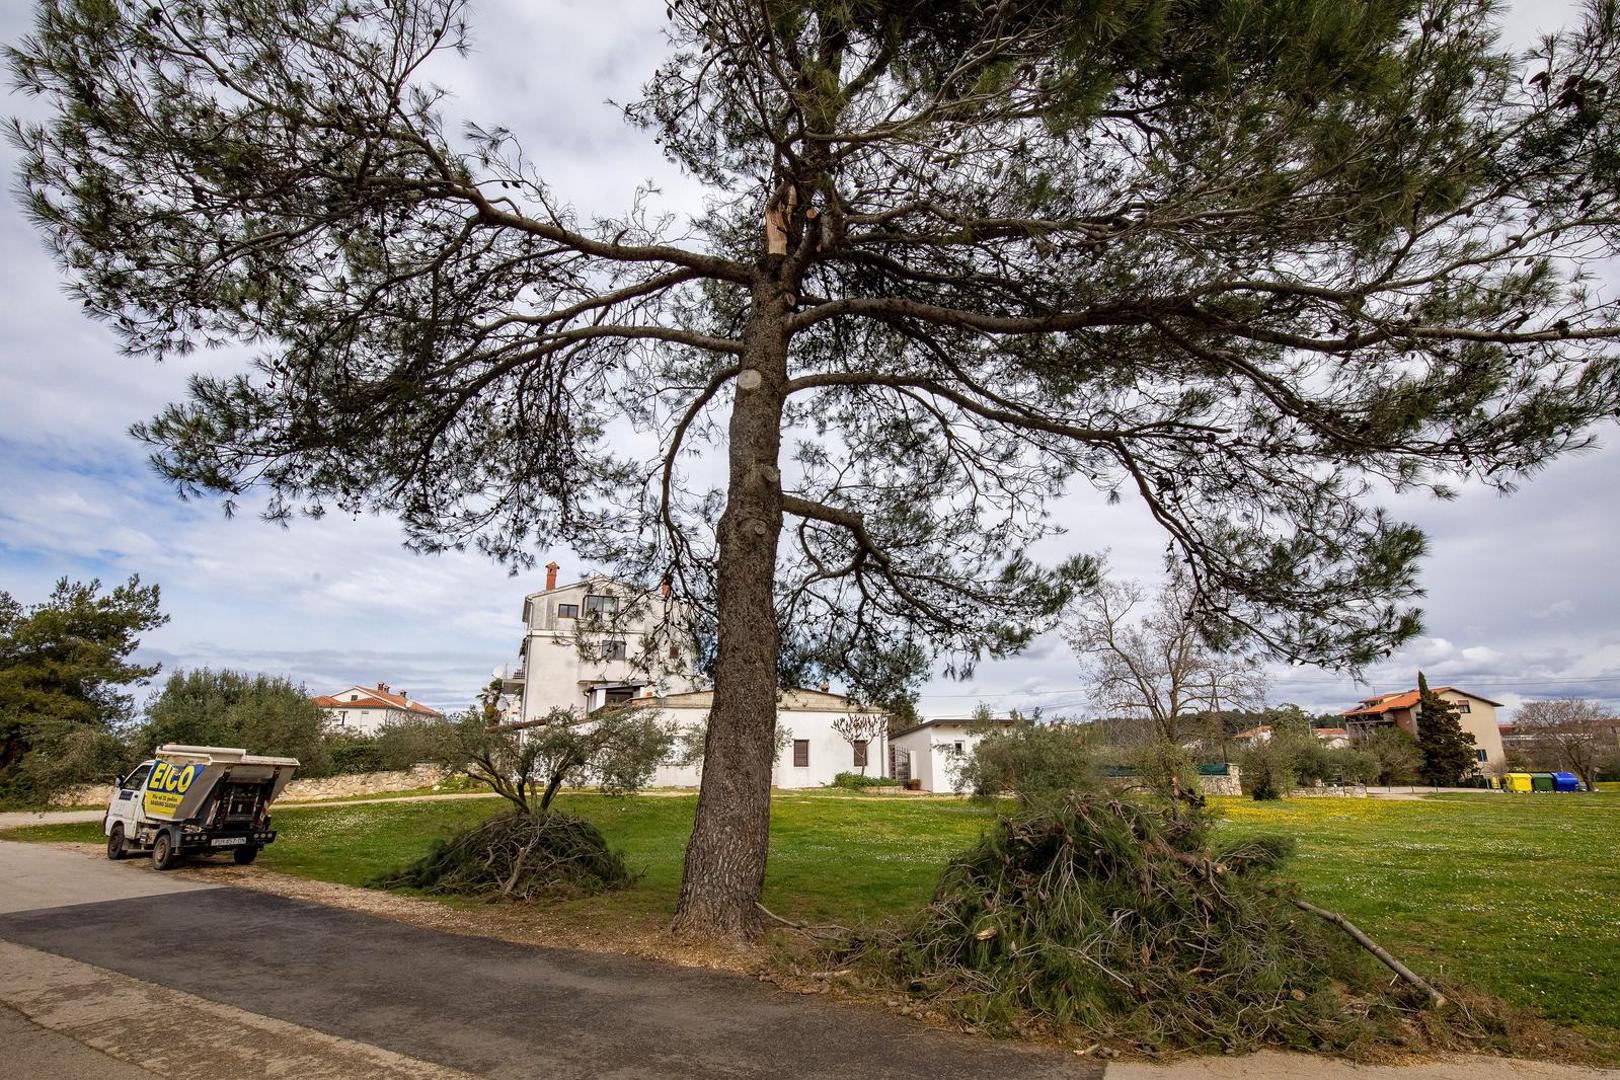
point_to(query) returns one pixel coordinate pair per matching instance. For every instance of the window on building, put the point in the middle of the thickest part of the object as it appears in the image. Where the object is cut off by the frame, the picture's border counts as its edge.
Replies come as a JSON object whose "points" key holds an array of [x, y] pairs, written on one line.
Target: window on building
{"points": [[1462, 707], [957, 747], [674, 652], [614, 650], [801, 753], [567, 611], [860, 753], [618, 695], [1480, 755], [603, 606]]}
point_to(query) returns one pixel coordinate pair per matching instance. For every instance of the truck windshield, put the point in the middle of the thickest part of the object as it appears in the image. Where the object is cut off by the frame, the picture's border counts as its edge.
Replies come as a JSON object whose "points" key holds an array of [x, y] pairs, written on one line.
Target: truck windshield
{"points": [[137, 778]]}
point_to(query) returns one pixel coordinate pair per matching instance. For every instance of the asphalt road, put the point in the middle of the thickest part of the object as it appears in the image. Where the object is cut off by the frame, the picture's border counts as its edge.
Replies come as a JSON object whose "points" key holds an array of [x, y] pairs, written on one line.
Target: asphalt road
{"points": [[481, 1007]]}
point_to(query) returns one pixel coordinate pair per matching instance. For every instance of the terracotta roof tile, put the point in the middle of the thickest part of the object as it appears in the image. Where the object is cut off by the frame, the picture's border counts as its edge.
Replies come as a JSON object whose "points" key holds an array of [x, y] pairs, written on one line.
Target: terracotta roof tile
{"points": [[1405, 699], [375, 699]]}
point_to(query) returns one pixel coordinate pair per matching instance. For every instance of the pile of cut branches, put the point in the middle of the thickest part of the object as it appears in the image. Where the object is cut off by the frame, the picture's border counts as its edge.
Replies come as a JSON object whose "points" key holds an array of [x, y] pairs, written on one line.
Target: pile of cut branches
{"points": [[1108, 919], [517, 856]]}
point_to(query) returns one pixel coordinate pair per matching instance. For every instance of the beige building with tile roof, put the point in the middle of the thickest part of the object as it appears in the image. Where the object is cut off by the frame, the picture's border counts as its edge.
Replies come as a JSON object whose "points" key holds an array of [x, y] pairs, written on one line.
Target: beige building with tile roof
{"points": [[1476, 714]]}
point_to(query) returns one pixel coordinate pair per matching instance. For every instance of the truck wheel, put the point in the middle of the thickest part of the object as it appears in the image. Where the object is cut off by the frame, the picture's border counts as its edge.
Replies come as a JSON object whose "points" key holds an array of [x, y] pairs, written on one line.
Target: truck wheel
{"points": [[115, 843], [164, 854], [245, 855]]}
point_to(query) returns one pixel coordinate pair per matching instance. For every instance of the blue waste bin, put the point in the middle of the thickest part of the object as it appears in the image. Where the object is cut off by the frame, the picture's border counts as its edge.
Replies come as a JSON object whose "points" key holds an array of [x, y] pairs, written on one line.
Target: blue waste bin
{"points": [[1566, 781]]}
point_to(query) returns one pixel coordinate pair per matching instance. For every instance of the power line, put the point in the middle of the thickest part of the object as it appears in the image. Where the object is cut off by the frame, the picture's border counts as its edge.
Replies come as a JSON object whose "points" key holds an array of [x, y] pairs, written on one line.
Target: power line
{"points": [[1507, 681]]}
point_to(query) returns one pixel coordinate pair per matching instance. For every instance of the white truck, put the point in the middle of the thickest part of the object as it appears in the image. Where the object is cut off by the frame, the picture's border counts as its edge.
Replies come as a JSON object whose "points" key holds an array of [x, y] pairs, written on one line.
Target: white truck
{"points": [[193, 800]]}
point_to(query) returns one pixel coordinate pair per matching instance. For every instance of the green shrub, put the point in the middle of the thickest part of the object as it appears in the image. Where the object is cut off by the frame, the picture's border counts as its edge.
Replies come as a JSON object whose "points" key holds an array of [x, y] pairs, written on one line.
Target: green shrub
{"points": [[412, 741], [1293, 757], [265, 714], [64, 753], [350, 753], [1038, 762], [858, 781], [1335, 765], [1165, 769], [1395, 754], [1268, 767]]}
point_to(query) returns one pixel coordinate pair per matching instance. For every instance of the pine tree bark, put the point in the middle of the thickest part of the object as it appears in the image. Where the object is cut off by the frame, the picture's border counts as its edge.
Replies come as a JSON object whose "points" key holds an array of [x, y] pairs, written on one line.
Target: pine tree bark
{"points": [[725, 859]]}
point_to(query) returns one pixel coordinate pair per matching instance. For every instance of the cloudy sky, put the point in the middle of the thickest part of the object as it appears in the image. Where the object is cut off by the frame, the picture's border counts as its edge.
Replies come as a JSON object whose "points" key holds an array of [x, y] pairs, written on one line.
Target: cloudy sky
{"points": [[1522, 592]]}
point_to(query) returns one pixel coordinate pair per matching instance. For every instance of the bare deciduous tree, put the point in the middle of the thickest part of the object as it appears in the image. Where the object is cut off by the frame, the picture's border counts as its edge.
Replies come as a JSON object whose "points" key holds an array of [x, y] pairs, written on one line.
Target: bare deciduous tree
{"points": [[1148, 661], [1569, 732]]}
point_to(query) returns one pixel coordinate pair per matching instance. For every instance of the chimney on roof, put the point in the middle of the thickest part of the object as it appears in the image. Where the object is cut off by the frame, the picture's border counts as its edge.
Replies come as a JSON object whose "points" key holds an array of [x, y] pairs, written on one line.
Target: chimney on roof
{"points": [[382, 688], [551, 575], [406, 694], [826, 687]]}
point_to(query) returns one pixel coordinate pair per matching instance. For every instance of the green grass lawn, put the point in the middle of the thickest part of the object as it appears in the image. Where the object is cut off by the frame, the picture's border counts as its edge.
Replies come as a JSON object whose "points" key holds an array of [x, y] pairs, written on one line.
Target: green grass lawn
{"points": [[1512, 894]]}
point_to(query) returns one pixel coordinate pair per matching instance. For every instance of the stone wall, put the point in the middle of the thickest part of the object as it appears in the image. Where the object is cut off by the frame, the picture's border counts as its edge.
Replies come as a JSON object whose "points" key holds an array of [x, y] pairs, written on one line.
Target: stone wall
{"points": [[1337, 791], [337, 787], [1230, 784], [324, 787]]}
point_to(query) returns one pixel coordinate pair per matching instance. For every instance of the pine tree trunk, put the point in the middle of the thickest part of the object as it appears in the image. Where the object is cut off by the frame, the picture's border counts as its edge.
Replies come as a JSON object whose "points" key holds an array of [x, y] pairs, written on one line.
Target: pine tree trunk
{"points": [[725, 860]]}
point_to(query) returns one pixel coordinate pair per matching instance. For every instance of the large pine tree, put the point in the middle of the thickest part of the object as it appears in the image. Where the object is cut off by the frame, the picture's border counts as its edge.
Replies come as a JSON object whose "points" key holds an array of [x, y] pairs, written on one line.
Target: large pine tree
{"points": [[1242, 263], [1448, 750], [66, 668]]}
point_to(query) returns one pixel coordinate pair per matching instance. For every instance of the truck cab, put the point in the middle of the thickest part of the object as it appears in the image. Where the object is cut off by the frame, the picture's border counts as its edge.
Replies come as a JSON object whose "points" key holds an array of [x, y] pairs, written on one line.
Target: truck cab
{"points": [[192, 800]]}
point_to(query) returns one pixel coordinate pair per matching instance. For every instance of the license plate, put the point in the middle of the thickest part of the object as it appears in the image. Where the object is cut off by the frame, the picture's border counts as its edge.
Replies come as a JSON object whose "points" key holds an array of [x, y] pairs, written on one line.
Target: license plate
{"points": [[228, 841]]}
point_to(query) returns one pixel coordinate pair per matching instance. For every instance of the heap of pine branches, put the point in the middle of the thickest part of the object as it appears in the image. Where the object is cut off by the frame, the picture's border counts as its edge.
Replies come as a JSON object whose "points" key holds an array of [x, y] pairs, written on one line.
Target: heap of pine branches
{"points": [[517, 856], [1111, 919]]}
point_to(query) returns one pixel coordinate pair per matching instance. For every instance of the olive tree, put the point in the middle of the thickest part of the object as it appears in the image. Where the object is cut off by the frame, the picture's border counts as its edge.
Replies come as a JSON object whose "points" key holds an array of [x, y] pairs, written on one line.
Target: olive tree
{"points": [[527, 763]]}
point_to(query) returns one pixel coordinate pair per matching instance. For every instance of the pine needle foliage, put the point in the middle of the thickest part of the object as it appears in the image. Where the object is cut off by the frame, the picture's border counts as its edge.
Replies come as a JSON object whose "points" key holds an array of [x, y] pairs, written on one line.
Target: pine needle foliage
{"points": [[1111, 919], [517, 856]]}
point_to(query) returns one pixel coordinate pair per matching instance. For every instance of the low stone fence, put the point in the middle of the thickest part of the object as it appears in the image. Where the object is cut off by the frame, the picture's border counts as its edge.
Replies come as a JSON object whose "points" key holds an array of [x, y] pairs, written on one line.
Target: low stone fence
{"points": [[339, 787], [1336, 791], [323, 787]]}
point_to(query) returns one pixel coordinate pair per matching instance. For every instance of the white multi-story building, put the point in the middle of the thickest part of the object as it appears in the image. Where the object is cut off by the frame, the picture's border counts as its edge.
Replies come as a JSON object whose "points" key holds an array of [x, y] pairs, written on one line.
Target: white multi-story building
{"points": [[599, 642]]}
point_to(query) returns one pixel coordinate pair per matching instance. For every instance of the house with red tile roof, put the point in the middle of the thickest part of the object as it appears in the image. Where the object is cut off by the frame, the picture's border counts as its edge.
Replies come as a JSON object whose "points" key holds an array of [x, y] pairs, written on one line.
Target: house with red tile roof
{"points": [[1476, 713], [364, 709]]}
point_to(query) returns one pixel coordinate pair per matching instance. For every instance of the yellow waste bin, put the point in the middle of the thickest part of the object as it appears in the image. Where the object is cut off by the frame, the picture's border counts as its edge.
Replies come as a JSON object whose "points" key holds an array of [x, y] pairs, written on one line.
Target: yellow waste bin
{"points": [[1517, 781]]}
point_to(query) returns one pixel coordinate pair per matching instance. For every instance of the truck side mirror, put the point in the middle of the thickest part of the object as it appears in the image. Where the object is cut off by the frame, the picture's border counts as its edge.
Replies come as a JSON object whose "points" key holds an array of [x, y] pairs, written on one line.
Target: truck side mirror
{"points": [[119, 783]]}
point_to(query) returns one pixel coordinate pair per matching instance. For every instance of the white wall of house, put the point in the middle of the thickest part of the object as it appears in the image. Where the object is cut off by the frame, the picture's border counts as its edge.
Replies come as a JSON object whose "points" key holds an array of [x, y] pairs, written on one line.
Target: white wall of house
{"points": [[937, 749], [806, 716], [360, 721]]}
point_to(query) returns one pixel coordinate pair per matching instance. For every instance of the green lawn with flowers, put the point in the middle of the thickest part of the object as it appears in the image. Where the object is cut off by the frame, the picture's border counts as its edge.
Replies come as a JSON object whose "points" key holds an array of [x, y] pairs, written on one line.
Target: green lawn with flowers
{"points": [[1514, 894]]}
